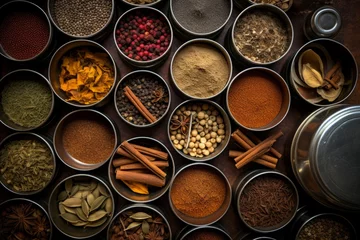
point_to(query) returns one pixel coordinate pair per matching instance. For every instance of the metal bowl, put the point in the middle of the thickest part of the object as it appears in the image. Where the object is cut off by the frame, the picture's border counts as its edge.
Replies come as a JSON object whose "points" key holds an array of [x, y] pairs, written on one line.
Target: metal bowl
{"points": [[154, 4], [24, 200], [28, 136], [96, 36], [60, 150], [285, 104], [221, 147], [141, 73], [139, 207], [30, 75], [187, 232], [68, 229], [150, 63], [245, 3], [338, 52], [17, 5], [155, 193], [54, 70], [216, 215], [213, 44], [238, 190], [266, 8]]}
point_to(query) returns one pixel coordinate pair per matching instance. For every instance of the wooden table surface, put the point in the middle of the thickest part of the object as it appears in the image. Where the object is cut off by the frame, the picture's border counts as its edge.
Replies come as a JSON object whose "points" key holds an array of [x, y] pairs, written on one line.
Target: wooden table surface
{"points": [[349, 35]]}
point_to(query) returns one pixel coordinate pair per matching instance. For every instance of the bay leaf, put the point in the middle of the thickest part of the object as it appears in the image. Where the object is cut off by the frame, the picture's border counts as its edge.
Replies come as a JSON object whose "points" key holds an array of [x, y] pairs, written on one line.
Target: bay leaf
{"points": [[140, 216]]}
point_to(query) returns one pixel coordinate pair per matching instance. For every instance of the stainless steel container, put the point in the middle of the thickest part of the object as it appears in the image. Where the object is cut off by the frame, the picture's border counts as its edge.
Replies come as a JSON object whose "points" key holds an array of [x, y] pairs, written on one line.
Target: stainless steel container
{"points": [[154, 193], [156, 4], [324, 156], [188, 231], [245, 3], [253, 236]]}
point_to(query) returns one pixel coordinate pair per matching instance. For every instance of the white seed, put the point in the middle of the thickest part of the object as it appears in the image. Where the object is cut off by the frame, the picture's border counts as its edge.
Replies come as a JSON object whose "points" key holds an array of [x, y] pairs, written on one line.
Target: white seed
{"points": [[218, 139], [208, 144], [194, 133], [178, 136], [211, 149], [201, 115], [201, 145], [203, 140], [221, 131]]}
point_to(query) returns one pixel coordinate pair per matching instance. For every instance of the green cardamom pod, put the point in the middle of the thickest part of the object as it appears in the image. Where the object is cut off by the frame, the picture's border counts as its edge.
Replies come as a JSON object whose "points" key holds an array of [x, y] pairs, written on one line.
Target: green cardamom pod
{"points": [[85, 193], [85, 207], [133, 225], [69, 217], [97, 215], [96, 192], [97, 203], [93, 185], [62, 196], [80, 214], [61, 209], [145, 227], [80, 224], [90, 198], [72, 202], [108, 205], [140, 216], [70, 210], [68, 186], [74, 190], [96, 223], [78, 194], [103, 190]]}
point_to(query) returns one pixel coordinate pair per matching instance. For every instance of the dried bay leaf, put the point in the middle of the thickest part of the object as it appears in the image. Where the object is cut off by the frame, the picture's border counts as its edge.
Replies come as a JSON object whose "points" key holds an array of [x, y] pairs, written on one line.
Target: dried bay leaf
{"points": [[133, 225], [314, 62], [140, 216], [97, 215], [97, 203], [311, 76], [72, 202], [136, 187], [69, 217]]}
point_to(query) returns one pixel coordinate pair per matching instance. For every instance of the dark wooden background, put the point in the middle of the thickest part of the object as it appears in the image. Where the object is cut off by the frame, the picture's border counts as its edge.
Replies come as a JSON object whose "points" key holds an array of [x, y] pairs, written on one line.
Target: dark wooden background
{"points": [[349, 35]]}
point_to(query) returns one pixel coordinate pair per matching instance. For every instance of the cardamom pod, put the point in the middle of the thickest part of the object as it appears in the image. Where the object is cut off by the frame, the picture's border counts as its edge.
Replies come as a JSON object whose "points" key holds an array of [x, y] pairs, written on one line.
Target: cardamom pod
{"points": [[72, 202], [90, 198], [96, 192], [85, 193], [78, 194], [97, 215], [145, 227], [93, 185], [133, 225], [69, 217], [68, 186], [80, 214], [108, 205], [70, 210], [61, 209], [140, 216], [85, 207], [103, 190], [80, 224], [74, 190], [62, 196], [97, 203], [96, 223]]}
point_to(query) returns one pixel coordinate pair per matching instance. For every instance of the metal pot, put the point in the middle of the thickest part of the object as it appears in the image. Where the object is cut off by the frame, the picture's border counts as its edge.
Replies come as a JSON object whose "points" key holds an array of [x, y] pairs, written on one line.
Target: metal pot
{"points": [[324, 156]]}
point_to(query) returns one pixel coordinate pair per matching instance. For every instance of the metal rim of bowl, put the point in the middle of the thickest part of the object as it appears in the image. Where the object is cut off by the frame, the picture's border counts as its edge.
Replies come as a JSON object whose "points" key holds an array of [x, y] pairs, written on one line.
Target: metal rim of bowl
{"points": [[262, 69], [145, 72], [262, 6], [139, 205], [48, 22], [352, 59], [91, 111], [218, 47], [98, 180], [213, 228], [36, 204], [163, 189], [43, 140], [227, 127], [94, 44], [290, 4], [142, 5], [53, 20], [52, 98], [331, 215], [144, 8], [260, 174], [206, 165], [200, 35]]}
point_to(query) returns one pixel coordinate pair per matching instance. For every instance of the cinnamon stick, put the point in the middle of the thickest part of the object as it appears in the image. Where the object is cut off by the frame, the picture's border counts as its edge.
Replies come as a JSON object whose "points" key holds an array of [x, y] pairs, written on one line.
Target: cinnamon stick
{"points": [[133, 166], [149, 179], [335, 80], [265, 163], [255, 153], [138, 104], [141, 158], [122, 152], [151, 152], [333, 70], [122, 161], [266, 158], [272, 150]]}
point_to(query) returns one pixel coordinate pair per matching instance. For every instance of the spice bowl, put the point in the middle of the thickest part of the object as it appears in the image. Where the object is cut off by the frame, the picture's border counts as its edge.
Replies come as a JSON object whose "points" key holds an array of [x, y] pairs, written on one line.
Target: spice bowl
{"points": [[143, 37], [203, 231], [143, 3], [153, 192], [268, 183], [12, 161], [206, 140], [276, 24], [81, 206], [85, 139], [201, 69], [142, 215], [152, 91], [258, 99], [284, 5], [40, 221], [95, 84], [200, 194], [27, 100], [328, 54], [29, 46]]}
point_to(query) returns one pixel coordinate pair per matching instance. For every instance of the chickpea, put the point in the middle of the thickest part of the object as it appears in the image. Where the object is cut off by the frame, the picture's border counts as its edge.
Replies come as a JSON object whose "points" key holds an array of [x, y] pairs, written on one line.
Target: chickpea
{"points": [[219, 120], [202, 134], [206, 152], [213, 140], [200, 128], [193, 139], [198, 151], [200, 156], [196, 145], [221, 131], [201, 145], [221, 126], [185, 151], [201, 115], [194, 133], [191, 144], [172, 138], [215, 124], [211, 149], [193, 154], [198, 137], [203, 140], [214, 145], [193, 150], [207, 136], [208, 144], [178, 146], [178, 136], [218, 139], [212, 118], [203, 122], [215, 128], [176, 141], [206, 116], [182, 142], [213, 134], [205, 106], [210, 122]]}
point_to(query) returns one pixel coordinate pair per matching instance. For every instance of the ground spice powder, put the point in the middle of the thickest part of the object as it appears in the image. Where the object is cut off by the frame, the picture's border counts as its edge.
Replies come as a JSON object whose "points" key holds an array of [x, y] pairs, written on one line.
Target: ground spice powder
{"points": [[198, 192], [205, 234], [89, 141], [255, 99]]}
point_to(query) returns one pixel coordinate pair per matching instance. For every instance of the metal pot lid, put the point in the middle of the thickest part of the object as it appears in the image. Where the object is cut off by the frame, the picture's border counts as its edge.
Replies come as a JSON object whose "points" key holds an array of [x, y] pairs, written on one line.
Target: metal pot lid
{"points": [[335, 148], [326, 22]]}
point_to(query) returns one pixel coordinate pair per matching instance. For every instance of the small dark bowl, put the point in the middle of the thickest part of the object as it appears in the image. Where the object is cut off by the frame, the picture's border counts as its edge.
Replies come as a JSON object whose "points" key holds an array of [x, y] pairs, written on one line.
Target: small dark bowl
{"points": [[188, 232], [60, 150], [31, 76], [154, 193], [28, 136]]}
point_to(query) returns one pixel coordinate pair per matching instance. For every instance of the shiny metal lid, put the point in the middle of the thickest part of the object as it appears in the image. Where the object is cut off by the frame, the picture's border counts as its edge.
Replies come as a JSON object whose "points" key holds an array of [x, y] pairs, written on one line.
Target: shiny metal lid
{"points": [[326, 22], [335, 149]]}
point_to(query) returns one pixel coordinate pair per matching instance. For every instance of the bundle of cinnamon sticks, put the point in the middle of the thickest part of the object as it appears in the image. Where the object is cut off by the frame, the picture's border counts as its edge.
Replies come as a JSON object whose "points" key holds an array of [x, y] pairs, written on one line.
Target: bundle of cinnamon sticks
{"points": [[140, 166], [255, 150]]}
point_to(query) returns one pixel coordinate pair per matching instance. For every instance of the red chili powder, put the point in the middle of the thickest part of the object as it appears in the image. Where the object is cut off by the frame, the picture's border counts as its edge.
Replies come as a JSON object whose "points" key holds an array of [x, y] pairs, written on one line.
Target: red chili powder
{"points": [[255, 99], [23, 34]]}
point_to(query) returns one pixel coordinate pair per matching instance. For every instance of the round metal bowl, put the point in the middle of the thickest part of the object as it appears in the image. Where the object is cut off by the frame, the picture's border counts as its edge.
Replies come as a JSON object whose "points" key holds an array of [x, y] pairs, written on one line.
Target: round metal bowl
{"points": [[22, 201], [245, 3], [221, 147], [337, 52], [28, 136], [142, 73], [208, 42], [266, 8], [66, 228], [285, 104], [140, 208], [187, 232], [149, 63], [96, 36], [216, 215], [17, 5], [54, 70], [155, 193], [60, 150], [238, 190], [31, 76], [154, 4]]}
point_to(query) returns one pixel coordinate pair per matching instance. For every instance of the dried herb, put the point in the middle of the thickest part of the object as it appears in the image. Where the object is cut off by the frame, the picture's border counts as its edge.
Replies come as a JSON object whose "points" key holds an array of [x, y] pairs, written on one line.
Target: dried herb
{"points": [[26, 165], [283, 4]]}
